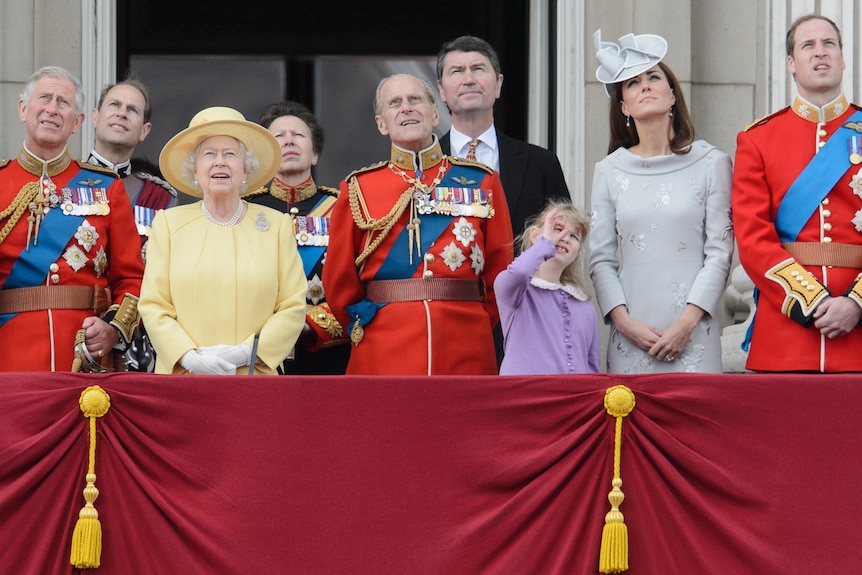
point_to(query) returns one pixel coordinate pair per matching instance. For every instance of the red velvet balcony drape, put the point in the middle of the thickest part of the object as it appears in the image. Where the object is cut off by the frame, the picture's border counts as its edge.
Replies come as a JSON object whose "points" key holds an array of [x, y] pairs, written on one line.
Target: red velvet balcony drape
{"points": [[266, 475]]}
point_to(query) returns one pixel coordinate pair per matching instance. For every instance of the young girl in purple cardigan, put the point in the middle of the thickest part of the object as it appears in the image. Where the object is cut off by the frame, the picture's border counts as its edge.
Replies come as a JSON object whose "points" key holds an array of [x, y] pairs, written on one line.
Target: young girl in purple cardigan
{"points": [[549, 323]]}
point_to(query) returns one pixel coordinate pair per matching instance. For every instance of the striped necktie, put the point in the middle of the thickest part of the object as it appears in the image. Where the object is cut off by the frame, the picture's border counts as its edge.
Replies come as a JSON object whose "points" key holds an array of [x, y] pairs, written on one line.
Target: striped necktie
{"points": [[471, 153]]}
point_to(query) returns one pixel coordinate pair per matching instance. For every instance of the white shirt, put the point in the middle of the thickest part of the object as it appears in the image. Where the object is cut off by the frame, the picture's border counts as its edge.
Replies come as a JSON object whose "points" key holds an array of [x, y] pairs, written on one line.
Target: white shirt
{"points": [[486, 152]]}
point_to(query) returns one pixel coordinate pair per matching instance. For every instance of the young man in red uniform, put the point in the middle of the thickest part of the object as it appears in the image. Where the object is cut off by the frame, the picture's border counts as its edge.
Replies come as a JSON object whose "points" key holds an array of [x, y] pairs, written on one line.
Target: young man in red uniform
{"points": [[69, 258], [797, 211], [416, 243]]}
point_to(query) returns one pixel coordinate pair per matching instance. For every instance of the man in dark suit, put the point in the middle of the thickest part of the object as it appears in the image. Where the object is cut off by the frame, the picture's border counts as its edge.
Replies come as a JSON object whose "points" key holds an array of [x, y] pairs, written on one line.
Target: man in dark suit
{"points": [[469, 81]]}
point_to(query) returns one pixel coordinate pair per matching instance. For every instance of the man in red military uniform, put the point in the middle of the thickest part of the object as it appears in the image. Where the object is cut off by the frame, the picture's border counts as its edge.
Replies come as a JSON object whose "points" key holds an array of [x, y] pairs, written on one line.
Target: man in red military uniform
{"points": [[797, 210], [416, 243], [70, 263]]}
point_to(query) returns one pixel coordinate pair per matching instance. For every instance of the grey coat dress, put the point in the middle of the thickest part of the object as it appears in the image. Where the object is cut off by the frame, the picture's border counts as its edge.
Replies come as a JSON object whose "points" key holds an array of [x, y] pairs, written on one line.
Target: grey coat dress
{"points": [[661, 238]]}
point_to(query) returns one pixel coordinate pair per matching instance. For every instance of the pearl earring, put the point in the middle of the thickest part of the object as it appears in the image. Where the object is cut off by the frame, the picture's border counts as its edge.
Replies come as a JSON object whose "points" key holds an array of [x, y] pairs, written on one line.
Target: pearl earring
{"points": [[628, 121], [670, 111]]}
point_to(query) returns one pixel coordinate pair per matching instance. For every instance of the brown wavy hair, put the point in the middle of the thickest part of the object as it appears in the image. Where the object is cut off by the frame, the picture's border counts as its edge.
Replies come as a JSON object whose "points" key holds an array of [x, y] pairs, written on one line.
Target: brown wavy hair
{"points": [[681, 129]]}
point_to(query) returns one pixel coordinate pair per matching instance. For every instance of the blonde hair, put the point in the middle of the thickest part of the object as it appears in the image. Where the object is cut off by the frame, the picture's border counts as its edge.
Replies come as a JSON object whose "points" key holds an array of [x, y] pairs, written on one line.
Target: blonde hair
{"points": [[572, 274]]}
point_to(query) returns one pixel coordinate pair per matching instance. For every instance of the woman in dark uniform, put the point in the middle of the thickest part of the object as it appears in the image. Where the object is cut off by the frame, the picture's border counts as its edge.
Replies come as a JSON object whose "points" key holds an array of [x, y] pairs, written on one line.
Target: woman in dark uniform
{"points": [[323, 346]]}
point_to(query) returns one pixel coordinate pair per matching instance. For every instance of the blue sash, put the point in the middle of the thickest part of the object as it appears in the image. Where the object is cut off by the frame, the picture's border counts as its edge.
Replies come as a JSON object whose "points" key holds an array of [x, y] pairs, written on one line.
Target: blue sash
{"points": [[56, 230], [814, 183], [397, 263], [310, 255]]}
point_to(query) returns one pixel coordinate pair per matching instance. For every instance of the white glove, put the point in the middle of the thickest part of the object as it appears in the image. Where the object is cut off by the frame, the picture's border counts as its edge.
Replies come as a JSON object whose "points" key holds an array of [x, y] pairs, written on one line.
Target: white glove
{"points": [[235, 354], [206, 364]]}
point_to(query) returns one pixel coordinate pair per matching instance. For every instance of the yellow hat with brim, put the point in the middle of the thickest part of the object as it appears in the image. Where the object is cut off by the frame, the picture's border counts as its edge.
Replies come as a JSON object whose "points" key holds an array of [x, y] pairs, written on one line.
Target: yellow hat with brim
{"points": [[220, 121]]}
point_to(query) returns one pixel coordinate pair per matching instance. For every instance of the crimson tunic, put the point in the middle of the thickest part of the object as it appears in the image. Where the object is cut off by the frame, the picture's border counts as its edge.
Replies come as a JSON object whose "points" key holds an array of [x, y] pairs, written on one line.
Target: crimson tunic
{"points": [[769, 157], [44, 340], [420, 337]]}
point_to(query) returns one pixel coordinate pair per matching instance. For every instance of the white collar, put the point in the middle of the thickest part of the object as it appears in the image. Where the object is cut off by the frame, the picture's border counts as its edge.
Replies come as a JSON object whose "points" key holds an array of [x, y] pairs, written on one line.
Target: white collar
{"points": [[569, 289], [123, 169], [459, 141]]}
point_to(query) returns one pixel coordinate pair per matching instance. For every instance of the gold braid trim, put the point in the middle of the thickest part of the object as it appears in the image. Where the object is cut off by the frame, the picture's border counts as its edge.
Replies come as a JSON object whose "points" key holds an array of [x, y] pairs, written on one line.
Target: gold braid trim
{"points": [[383, 225], [16, 209]]}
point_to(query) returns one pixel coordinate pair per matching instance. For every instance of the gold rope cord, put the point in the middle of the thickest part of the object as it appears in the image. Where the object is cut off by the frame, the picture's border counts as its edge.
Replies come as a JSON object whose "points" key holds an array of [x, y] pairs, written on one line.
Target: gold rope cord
{"points": [[384, 225], [15, 210]]}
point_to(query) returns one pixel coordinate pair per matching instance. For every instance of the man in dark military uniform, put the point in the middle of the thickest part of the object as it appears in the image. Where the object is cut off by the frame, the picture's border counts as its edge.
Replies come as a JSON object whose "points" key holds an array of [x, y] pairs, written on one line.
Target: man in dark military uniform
{"points": [[121, 121]]}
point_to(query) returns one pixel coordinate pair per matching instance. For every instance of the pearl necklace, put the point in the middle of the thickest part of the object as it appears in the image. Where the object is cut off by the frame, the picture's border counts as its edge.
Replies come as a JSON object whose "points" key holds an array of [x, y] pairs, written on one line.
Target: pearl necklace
{"points": [[231, 222]]}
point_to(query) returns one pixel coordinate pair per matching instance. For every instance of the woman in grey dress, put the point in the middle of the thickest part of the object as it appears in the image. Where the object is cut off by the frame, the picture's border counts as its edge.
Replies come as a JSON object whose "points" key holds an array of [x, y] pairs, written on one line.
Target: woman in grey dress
{"points": [[662, 240]]}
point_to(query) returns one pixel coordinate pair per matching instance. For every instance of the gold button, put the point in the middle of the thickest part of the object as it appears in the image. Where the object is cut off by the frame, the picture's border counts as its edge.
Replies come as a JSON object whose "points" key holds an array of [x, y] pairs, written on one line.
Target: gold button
{"points": [[810, 288], [822, 133], [827, 226], [54, 268], [804, 283], [821, 144], [55, 278], [429, 258], [428, 274], [826, 213], [825, 201], [827, 240]]}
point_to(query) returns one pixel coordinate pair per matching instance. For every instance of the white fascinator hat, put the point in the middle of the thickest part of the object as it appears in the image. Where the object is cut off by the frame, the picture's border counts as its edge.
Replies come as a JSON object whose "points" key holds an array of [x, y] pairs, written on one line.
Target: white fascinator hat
{"points": [[634, 55]]}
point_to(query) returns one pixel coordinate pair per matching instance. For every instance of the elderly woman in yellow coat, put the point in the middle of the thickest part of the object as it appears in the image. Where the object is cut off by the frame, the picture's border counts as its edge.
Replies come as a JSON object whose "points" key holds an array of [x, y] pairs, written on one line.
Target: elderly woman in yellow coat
{"points": [[224, 287]]}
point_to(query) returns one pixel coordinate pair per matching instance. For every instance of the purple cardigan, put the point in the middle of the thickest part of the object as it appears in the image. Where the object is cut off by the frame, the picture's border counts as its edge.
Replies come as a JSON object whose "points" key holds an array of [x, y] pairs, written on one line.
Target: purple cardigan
{"points": [[545, 331]]}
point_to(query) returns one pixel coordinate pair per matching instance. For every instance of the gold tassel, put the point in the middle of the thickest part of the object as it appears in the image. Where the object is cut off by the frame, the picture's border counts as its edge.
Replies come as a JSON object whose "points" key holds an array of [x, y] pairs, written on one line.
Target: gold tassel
{"points": [[87, 537], [614, 555]]}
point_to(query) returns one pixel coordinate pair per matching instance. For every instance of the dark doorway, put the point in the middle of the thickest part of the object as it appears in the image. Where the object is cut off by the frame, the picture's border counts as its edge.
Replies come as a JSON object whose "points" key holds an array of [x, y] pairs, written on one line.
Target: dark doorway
{"points": [[328, 54]]}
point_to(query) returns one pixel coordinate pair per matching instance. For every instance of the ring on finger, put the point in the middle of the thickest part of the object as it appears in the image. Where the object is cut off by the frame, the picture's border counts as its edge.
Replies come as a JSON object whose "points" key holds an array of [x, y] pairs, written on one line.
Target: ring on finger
{"points": [[669, 358]]}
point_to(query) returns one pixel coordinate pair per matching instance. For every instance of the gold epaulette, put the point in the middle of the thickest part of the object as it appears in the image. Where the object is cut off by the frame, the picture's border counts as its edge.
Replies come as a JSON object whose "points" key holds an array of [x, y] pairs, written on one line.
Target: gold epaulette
{"points": [[765, 119], [329, 191], [156, 180], [471, 163], [255, 192], [370, 168], [96, 168]]}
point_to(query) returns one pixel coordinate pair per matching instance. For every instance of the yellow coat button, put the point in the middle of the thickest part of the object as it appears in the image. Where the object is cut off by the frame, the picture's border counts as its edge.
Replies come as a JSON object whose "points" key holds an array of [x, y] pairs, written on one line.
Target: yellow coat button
{"points": [[428, 274], [54, 268], [827, 226], [826, 213], [827, 240], [55, 278]]}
